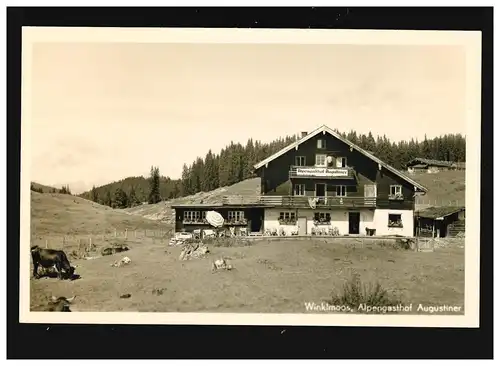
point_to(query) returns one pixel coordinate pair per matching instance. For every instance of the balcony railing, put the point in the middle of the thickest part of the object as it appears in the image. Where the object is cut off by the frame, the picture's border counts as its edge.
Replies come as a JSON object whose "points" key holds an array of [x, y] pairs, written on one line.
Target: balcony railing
{"points": [[320, 172], [195, 222], [318, 202]]}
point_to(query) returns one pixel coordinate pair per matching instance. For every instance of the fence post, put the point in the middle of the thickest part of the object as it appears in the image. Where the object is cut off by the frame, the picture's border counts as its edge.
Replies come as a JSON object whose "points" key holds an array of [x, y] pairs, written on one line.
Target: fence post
{"points": [[46, 243], [126, 233], [90, 243], [135, 233]]}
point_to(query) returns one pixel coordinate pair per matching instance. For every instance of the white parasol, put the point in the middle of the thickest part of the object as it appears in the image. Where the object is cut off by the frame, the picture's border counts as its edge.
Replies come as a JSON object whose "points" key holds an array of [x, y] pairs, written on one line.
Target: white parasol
{"points": [[215, 219]]}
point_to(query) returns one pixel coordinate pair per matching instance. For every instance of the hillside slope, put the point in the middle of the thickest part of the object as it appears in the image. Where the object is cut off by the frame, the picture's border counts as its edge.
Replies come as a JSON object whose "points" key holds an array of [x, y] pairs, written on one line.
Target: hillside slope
{"points": [[44, 188], [162, 211], [444, 187], [62, 214]]}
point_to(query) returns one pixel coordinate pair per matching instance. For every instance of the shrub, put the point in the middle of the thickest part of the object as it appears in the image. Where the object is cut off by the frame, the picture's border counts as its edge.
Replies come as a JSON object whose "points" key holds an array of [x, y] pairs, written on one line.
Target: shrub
{"points": [[354, 293], [222, 241]]}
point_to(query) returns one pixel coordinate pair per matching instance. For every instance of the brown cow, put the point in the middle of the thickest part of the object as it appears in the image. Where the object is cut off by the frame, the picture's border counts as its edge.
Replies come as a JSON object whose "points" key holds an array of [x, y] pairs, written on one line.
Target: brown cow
{"points": [[48, 258]]}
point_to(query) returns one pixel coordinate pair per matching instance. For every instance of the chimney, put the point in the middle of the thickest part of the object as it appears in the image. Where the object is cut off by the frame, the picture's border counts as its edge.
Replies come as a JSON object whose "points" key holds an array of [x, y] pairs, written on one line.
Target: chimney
{"points": [[303, 134]]}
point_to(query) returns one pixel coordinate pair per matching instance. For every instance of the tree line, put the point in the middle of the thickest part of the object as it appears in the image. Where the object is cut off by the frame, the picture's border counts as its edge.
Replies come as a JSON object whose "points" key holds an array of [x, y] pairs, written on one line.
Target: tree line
{"points": [[234, 163], [45, 189]]}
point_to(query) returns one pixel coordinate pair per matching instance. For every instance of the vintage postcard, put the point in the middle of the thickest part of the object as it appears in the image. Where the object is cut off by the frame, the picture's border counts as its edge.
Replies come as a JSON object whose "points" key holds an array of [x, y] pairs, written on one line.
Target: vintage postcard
{"points": [[244, 176]]}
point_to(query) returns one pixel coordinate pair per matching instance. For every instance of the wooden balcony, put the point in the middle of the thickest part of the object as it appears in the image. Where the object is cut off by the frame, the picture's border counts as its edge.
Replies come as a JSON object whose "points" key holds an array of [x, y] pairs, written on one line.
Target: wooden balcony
{"points": [[320, 202], [312, 172]]}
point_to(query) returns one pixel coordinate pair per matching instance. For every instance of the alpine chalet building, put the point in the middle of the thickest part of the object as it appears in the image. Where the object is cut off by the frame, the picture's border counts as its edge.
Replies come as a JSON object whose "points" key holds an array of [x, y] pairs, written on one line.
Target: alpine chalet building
{"points": [[322, 184]]}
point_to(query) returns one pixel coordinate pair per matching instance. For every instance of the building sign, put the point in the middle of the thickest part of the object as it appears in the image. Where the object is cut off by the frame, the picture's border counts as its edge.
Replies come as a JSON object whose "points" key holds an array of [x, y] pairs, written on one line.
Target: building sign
{"points": [[323, 172]]}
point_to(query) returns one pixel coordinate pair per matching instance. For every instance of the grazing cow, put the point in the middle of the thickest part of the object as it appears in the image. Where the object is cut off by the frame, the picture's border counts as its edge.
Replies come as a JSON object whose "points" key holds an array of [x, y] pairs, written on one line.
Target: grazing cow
{"points": [[51, 257], [60, 304]]}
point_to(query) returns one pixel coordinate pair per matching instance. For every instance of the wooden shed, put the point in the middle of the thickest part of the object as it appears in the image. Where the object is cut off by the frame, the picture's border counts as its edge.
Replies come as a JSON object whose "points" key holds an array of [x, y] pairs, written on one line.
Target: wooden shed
{"points": [[440, 222], [433, 166]]}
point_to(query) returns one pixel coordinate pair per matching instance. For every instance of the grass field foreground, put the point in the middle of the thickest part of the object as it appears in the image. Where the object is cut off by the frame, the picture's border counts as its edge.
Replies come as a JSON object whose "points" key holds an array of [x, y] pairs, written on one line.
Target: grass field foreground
{"points": [[268, 276]]}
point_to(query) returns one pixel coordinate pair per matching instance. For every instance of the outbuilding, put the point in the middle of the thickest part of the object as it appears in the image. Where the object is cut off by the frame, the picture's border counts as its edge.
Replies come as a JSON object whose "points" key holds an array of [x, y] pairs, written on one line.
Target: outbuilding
{"points": [[440, 222]]}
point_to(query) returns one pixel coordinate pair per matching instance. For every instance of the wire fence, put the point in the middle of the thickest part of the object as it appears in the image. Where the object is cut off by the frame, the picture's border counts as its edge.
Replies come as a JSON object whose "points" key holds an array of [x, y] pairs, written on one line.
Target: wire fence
{"points": [[89, 242], [437, 203]]}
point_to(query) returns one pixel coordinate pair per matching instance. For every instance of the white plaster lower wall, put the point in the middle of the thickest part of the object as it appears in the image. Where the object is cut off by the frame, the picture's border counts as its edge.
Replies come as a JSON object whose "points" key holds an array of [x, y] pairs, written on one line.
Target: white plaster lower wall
{"points": [[271, 216], [339, 219], [372, 219], [381, 220]]}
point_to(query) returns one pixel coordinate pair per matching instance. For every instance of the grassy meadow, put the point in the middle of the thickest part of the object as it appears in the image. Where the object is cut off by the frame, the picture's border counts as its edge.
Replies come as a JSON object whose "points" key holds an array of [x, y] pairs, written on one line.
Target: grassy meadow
{"points": [[268, 275]]}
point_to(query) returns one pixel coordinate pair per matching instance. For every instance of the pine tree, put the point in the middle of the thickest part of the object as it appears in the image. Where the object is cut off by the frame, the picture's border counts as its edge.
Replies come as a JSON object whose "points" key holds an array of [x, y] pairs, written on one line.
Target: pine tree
{"points": [[65, 190], [154, 186], [176, 190], [185, 181], [93, 194], [224, 168], [132, 198], [197, 174], [210, 173], [249, 160], [426, 149], [120, 199], [108, 201]]}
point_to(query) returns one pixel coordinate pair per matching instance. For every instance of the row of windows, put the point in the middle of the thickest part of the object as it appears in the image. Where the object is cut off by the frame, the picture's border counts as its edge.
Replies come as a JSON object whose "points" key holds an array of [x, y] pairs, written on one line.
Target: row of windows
{"points": [[201, 215], [321, 161], [341, 191], [300, 190], [394, 220], [194, 215], [291, 216]]}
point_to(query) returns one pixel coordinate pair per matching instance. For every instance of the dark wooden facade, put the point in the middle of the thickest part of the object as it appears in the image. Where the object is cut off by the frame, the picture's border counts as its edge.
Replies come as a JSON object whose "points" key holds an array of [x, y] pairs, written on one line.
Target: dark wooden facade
{"points": [[277, 179], [253, 217]]}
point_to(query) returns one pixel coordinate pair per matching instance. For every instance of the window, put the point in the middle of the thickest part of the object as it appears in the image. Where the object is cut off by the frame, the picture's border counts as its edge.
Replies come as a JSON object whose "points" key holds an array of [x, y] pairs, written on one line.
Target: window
{"points": [[340, 191], [287, 217], [322, 217], [341, 162], [300, 160], [235, 216], [320, 160], [321, 144], [395, 220], [299, 190], [194, 216], [396, 192]]}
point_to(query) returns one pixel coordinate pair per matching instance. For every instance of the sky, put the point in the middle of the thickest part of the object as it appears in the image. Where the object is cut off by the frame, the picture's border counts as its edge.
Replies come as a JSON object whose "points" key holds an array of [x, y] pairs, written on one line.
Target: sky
{"points": [[105, 111]]}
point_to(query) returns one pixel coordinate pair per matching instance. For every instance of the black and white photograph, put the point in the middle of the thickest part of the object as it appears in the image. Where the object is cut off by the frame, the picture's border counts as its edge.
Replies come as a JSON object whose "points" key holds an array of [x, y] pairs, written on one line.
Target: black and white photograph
{"points": [[250, 176]]}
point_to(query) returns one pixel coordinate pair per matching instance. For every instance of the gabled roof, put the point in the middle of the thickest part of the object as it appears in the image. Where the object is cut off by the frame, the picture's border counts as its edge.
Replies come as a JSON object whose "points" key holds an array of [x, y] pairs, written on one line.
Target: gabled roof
{"points": [[325, 129]]}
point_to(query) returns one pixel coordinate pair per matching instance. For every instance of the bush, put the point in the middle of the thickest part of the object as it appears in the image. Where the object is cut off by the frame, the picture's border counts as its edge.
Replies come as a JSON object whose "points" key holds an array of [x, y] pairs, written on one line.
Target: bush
{"points": [[222, 241], [355, 293]]}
